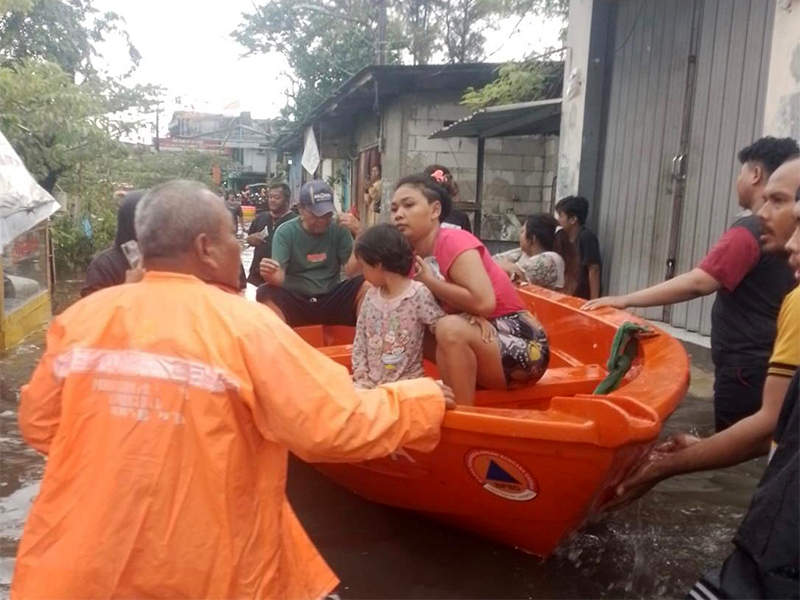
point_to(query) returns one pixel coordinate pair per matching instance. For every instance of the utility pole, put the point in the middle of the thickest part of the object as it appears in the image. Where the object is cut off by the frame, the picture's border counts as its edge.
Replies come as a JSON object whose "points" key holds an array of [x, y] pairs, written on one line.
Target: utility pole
{"points": [[381, 48], [156, 142]]}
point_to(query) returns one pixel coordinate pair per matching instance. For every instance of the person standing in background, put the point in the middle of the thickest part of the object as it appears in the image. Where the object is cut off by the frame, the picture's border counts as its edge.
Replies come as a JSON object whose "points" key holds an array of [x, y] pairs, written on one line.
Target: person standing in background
{"points": [[113, 266], [235, 210], [372, 197], [572, 213], [264, 225]]}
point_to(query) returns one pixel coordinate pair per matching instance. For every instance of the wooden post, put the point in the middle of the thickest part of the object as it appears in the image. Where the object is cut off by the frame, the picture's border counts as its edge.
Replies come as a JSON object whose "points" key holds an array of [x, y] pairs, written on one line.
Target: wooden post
{"points": [[479, 187]]}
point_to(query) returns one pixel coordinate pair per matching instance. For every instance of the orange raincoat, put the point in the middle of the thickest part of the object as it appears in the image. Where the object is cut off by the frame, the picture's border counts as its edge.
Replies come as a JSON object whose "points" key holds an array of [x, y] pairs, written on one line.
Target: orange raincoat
{"points": [[167, 409]]}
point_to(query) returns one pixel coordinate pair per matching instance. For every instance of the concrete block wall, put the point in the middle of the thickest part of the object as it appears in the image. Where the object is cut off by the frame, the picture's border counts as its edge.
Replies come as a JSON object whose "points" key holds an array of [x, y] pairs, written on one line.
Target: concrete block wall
{"points": [[518, 171], [426, 114]]}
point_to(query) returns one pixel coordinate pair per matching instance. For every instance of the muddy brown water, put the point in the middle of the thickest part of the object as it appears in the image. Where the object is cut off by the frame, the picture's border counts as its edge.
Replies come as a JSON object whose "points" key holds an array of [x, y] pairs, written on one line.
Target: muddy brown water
{"points": [[655, 548]]}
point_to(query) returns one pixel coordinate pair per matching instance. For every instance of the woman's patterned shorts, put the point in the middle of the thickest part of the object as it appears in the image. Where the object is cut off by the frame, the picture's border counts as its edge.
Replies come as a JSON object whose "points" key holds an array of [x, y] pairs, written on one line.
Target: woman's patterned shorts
{"points": [[524, 349]]}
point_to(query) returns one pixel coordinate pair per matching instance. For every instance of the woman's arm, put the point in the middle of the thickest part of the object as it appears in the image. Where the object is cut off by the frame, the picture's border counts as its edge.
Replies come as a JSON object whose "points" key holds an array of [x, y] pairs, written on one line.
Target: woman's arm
{"points": [[469, 289]]}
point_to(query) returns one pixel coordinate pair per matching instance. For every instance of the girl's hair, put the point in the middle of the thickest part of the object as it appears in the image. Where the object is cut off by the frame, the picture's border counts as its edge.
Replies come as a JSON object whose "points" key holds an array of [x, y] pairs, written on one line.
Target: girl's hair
{"points": [[431, 189], [383, 244]]}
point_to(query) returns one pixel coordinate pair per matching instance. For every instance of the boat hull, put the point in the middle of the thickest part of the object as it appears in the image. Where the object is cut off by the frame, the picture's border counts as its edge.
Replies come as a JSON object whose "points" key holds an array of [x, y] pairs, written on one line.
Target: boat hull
{"points": [[526, 467]]}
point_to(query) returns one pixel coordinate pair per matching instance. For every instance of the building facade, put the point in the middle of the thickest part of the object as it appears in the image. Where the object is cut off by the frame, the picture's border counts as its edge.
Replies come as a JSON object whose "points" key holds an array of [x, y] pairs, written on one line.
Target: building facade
{"points": [[659, 97]]}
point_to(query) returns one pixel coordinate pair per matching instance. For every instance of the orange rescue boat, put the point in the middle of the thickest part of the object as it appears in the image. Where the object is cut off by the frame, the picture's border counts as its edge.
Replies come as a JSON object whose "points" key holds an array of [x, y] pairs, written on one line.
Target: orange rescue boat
{"points": [[526, 467]]}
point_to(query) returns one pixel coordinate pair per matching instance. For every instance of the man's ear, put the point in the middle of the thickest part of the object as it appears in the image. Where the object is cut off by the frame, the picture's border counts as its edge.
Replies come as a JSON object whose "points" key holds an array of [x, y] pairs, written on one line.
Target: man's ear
{"points": [[759, 173], [202, 246]]}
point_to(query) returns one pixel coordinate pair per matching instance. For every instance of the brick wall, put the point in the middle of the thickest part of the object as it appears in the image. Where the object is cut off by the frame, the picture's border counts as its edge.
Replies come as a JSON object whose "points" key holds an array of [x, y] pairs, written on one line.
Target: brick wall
{"points": [[518, 171]]}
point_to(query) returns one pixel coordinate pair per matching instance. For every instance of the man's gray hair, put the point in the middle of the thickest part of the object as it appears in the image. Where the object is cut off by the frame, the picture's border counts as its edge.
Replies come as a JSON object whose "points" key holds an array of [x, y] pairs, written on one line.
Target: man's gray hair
{"points": [[171, 216]]}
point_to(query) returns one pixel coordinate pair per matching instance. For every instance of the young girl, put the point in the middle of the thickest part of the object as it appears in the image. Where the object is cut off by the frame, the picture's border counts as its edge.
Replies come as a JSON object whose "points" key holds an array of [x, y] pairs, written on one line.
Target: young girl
{"points": [[395, 311], [468, 281]]}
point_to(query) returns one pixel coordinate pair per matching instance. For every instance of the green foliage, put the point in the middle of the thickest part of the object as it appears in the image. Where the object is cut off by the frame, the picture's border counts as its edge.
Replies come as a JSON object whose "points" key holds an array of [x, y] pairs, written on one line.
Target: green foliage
{"points": [[327, 41], [528, 80], [55, 124], [69, 133], [61, 31], [91, 188], [74, 245], [20, 6], [145, 169]]}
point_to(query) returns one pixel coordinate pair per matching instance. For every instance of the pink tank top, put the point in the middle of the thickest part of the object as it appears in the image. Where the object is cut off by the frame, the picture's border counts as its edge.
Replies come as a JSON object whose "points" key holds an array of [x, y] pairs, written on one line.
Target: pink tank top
{"points": [[451, 243]]}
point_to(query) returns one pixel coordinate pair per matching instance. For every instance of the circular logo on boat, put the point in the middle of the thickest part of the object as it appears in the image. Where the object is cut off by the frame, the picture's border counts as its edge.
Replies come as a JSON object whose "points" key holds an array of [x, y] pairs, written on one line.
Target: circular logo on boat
{"points": [[501, 475]]}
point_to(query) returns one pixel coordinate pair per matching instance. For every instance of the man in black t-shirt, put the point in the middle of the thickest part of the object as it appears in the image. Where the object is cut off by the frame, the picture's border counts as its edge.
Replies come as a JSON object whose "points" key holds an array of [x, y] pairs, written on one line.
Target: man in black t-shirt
{"points": [[260, 200], [265, 224], [572, 213], [235, 209]]}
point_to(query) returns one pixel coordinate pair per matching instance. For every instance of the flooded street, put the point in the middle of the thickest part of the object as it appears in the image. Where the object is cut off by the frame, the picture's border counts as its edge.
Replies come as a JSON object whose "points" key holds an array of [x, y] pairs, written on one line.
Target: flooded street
{"points": [[653, 549]]}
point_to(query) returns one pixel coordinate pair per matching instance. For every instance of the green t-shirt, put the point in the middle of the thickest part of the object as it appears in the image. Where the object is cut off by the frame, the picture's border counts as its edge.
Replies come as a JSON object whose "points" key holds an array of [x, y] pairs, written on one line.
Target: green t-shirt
{"points": [[312, 263]]}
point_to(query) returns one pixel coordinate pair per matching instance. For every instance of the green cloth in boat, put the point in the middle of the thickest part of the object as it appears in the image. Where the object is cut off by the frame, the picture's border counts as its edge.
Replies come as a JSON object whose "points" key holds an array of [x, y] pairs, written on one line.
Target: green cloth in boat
{"points": [[623, 351]]}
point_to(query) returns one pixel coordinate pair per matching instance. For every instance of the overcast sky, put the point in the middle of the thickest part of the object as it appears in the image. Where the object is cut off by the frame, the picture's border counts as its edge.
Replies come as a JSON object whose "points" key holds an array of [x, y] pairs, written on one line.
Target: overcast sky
{"points": [[186, 48]]}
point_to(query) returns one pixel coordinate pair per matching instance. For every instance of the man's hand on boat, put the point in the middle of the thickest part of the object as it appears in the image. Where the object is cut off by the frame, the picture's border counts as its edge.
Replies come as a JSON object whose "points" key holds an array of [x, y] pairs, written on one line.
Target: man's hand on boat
{"points": [[449, 397], [620, 302], [662, 462], [134, 275]]}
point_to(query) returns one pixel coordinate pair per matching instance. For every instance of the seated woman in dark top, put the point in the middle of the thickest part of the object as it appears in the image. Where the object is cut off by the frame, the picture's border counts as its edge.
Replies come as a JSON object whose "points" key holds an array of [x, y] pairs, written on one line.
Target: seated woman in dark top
{"points": [[110, 266]]}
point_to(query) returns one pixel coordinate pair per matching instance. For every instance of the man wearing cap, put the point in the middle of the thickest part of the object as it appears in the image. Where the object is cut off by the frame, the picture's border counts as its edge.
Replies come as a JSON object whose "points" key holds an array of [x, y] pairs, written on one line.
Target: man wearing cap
{"points": [[303, 278]]}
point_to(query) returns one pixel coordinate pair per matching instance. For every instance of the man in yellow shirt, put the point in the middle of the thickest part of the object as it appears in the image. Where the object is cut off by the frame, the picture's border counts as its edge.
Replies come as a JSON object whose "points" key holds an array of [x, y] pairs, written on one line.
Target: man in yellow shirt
{"points": [[167, 409]]}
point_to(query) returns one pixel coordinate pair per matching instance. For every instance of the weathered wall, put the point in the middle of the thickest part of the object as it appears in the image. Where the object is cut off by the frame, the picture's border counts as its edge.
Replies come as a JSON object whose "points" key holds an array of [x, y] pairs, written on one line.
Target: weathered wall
{"points": [[782, 108], [574, 107], [254, 161], [365, 131], [425, 114], [518, 171], [338, 147]]}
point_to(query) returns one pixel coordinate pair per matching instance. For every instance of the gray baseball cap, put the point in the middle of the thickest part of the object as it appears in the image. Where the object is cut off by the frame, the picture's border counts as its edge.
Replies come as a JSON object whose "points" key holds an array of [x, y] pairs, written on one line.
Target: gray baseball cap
{"points": [[317, 196]]}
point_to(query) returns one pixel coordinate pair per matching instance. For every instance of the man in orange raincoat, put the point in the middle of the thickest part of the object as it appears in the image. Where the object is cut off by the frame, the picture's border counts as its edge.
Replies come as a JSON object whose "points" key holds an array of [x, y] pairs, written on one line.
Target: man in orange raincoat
{"points": [[167, 409]]}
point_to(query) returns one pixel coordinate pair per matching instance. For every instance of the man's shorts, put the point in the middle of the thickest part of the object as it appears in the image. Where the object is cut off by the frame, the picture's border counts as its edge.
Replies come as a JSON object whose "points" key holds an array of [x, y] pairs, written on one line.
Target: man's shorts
{"points": [[337, 307], [738, 392]]}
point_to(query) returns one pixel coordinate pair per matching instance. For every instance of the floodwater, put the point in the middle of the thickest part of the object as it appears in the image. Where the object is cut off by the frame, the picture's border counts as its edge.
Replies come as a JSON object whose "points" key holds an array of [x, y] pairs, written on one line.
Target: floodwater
{"points": [[655, 548]]}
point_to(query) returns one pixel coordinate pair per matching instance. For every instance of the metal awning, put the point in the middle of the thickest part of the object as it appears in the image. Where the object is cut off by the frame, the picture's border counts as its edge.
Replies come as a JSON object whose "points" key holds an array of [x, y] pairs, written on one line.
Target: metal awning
{"points": [[526, 118]]}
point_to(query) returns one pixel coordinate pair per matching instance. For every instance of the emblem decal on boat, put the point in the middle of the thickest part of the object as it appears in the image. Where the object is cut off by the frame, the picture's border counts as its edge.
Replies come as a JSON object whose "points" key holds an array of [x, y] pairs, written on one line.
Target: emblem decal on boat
{"points": [[501, 475]]}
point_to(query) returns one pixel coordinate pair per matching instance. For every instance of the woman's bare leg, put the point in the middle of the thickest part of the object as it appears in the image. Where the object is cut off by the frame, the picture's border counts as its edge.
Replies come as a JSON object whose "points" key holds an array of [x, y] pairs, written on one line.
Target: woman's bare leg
{"points": [[464, 359]]}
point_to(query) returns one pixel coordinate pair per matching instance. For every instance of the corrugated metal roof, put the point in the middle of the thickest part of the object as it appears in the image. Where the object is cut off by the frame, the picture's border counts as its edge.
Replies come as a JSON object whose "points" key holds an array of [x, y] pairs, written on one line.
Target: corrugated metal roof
{"points": [[358, 95], [525, 118]]}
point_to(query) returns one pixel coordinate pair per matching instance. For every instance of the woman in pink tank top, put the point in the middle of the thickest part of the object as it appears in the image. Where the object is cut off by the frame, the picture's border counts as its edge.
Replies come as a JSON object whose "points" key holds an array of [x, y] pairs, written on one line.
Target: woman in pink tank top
{"points": [[460, 272]]}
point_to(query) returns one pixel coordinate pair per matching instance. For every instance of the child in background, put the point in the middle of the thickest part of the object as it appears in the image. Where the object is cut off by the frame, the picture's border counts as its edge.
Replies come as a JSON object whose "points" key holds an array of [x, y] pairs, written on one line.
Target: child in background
{"points": [[572, 212], [395, 311]]}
